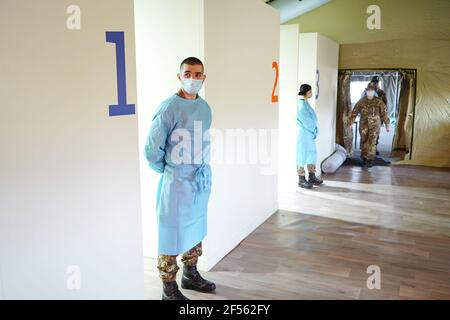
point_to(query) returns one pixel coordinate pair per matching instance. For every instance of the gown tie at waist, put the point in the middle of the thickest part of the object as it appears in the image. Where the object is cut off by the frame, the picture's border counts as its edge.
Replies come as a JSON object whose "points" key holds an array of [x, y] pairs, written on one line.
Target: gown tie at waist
{"points": [[202, 179]]}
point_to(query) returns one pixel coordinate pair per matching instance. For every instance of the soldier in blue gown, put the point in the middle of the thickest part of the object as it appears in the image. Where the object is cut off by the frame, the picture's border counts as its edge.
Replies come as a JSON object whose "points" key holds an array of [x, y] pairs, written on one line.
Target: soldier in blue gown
{"points": [[183, 192], [307, 132]]}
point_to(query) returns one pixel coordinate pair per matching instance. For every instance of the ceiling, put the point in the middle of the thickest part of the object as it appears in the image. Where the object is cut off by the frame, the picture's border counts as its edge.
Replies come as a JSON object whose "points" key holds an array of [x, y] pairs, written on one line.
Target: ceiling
{"points": [[290, 9]]}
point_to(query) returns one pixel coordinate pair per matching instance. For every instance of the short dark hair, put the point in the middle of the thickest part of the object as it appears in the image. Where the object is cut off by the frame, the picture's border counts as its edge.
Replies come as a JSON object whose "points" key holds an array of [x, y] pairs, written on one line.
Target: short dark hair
{"points": [[192, 61], [304, 88], [375, 79]]}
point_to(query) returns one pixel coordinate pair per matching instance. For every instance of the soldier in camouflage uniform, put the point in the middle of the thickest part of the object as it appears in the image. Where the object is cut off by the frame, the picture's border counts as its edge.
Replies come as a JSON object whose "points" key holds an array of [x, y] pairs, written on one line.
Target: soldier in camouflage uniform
{"points": [[184, 188], [380, 94], [373, 111]]}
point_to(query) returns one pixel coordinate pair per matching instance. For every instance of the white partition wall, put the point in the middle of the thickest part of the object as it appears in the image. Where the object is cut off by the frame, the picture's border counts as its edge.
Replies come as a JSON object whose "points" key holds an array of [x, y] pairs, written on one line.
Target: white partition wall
{"points": [[327, 64], [70, 216], [167, 31], [318, 67], [307, 63], [287, 177], [241, 42], [238, 51]]}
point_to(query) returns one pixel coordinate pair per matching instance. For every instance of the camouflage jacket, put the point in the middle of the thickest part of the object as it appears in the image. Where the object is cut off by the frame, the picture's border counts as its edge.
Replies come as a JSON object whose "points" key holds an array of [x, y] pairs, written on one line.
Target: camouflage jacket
{"points": [[370, 109], [382, 95]]}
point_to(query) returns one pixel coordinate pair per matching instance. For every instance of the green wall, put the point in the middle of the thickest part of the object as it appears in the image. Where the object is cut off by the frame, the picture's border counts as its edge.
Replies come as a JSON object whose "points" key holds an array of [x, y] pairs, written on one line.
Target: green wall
{"points": [[345, 20]]}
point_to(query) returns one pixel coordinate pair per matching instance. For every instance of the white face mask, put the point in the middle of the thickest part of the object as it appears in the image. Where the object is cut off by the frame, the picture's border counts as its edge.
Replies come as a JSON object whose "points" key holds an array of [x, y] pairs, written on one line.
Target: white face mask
{"points": [[370, 93], [192, 86]]}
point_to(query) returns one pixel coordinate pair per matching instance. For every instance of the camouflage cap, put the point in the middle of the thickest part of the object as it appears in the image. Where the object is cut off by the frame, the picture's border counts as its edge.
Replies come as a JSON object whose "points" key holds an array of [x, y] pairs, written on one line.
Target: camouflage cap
{"points": [[371, 86]]}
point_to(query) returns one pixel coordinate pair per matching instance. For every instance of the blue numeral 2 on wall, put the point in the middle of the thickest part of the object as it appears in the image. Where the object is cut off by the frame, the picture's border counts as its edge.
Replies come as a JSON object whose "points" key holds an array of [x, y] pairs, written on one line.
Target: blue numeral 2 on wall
{"points": [[122, 108]]}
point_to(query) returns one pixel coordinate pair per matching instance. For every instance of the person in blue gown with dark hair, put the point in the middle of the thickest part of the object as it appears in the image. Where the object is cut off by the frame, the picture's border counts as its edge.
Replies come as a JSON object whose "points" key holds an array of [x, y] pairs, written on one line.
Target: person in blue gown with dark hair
{"points": [[172, 149], [307, 132]]}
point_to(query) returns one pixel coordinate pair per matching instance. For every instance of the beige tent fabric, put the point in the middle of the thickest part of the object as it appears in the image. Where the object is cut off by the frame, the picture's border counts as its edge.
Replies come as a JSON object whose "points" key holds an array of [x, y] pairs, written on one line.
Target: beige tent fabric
{"points": [[344, 135], [431, 140], [403, 133]]}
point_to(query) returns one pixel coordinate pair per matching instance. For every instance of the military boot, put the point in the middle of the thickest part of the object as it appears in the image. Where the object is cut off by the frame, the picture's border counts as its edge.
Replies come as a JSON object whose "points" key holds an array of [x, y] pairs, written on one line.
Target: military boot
{"points": [[302, 183], [192, 280], [364, 162], [171, 292], [369, 164], [312, 179]]}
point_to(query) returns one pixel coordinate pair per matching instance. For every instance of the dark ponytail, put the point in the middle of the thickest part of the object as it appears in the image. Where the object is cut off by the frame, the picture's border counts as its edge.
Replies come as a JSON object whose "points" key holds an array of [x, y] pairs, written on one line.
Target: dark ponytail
{"points": [[304, 88]]}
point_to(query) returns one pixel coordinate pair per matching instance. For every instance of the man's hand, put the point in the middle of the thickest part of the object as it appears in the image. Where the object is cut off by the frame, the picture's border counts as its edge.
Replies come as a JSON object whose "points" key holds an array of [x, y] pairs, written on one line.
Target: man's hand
{"points": [[388, 127]]}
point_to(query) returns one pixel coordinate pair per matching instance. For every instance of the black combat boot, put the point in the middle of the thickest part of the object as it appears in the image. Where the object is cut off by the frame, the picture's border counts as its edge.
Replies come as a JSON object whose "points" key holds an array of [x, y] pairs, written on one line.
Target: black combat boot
{"points": [[171, 292], [192, 280], [302, 183], [369, 164], [364, 162], [314, 180]]}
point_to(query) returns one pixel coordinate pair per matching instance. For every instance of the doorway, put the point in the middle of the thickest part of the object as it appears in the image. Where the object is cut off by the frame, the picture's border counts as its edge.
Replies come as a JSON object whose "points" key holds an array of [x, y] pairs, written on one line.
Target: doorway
{"points": [[399, 86]]}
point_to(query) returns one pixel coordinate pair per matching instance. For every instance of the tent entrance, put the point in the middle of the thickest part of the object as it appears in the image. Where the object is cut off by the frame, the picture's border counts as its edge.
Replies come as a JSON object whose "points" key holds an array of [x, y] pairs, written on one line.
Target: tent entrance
{"points": [[399, 86]]}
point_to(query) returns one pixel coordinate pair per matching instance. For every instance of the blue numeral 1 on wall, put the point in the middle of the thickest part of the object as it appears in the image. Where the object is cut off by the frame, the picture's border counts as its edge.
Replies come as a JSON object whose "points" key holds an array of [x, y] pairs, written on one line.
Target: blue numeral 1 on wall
{"points": [[122, 108]]}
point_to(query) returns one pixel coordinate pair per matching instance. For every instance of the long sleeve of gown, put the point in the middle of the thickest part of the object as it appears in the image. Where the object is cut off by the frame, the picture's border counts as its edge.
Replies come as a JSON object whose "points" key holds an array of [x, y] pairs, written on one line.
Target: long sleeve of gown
{"points": [[155, 146]]}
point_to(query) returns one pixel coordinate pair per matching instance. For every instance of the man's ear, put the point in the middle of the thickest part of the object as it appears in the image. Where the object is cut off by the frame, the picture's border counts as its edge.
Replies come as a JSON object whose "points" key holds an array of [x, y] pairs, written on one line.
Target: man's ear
{"points": [[204, 77], [179, 76]]}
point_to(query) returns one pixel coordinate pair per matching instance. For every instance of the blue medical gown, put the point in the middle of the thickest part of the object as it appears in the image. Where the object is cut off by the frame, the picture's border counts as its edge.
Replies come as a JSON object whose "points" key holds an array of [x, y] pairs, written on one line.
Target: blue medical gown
{"points": [[184, 188], [307, 131]]}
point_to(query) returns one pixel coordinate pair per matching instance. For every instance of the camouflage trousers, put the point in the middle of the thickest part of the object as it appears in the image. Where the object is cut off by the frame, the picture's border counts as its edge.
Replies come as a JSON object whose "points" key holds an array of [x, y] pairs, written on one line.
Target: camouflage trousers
{"points": [[311, 169], [347, 136], [369, 131], [167, 265]]}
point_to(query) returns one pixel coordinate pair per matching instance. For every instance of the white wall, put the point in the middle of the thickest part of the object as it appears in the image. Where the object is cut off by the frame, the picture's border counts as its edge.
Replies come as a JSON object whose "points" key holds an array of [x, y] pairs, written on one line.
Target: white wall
{"points": [[69, 183], [320, 53], [289, 40], [241, 42], [327, 64], [167, 31], [307, 62], [238, 62]]}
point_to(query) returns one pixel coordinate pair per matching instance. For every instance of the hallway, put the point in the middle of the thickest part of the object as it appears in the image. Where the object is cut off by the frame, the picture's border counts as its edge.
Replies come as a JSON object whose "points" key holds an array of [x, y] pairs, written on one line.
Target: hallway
{"points": [[322, 241]]}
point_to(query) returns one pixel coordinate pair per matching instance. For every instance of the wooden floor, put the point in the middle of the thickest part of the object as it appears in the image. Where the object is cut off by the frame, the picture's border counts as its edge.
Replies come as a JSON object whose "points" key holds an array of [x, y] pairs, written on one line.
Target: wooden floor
{"points": [[322, 241]]}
